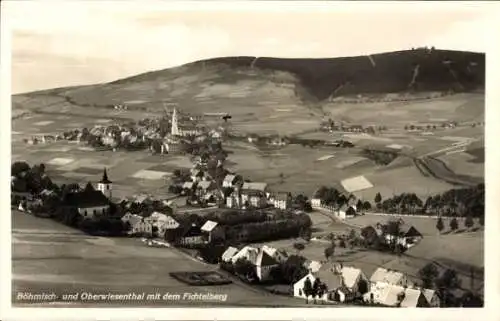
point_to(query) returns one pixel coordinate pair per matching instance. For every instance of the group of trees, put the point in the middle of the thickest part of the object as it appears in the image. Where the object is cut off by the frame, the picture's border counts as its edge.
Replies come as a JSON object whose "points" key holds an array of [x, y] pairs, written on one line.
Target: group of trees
{"points": [[330, 196], [461, 202], [453, 224], [33, 180], [236, 217], [298, 225], [380, 157]]}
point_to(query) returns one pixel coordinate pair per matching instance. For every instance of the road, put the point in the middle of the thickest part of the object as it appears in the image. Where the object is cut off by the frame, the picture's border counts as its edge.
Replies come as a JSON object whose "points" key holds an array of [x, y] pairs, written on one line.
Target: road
{"points": [[50, 257]]}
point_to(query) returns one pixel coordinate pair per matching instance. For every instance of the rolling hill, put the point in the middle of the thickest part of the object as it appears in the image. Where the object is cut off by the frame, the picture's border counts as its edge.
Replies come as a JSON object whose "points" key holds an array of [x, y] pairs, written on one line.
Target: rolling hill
{"points": [[278, 90]]}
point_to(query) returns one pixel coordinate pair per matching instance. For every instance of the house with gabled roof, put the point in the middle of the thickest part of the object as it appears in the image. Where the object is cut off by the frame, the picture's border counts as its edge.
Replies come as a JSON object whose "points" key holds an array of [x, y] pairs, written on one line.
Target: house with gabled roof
{"points": [[346, 211], [382, 275], [399, 296], [281, 200], [254, 186], [432, 297], [191, 236], [279, 255], [228, 254], [232, 180], [248, 253], [254, 198], [264, 263], [131, 219], [188, 187], [344, 282], [212, 231], [298, 287]]}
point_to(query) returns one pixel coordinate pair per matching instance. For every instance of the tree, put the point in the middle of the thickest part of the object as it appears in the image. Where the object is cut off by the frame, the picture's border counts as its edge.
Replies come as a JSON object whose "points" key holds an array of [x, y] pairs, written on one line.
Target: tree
{"points": [[454, 224], [428, 274], [378, 198], [19, 167], [330, 251], [245, 268], [307, 289], [439, 224], [469, 222], [367, 206], [448, 280], [299, 247], [359, 205]]}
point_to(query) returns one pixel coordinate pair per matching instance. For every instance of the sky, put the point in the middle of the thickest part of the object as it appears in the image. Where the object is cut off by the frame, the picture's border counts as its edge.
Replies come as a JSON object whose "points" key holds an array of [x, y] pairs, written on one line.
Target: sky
{"points": [[57, 44]]}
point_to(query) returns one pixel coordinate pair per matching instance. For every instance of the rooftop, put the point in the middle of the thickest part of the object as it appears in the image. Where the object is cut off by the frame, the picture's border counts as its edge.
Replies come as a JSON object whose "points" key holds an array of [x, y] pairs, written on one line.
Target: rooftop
{"points": [[386, 276], [257, 186], [85, 199]]}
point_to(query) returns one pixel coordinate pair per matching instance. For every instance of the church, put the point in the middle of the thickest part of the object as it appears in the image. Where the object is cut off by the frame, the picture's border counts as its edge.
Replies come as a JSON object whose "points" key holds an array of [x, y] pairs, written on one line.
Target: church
{"points": [[91, 203], [183, 131]]}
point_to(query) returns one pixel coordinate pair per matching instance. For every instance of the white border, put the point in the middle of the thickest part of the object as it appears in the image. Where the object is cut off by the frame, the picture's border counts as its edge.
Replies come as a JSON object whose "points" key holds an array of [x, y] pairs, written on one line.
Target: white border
{"points": [[492, 182]]}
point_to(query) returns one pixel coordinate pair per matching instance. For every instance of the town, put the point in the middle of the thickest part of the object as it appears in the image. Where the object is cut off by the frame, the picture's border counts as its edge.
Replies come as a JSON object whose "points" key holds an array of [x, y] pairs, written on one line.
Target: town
{"points": [[267, 237]]}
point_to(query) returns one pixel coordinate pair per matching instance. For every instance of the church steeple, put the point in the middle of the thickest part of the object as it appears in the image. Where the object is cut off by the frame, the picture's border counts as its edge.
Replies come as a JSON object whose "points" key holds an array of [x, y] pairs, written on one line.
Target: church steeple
{"points": [[104, 179], [104, 185]]}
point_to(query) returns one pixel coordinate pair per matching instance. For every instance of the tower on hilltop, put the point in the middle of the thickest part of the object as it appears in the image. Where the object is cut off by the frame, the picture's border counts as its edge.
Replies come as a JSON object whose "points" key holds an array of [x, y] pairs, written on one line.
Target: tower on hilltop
{"points": [[175, 125], [104, 185]]}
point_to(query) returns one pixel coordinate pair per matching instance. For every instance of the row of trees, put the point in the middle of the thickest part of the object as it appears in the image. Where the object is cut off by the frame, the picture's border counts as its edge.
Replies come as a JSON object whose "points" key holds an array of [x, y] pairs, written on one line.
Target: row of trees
{"points": [[297, 226], [454, 202]]}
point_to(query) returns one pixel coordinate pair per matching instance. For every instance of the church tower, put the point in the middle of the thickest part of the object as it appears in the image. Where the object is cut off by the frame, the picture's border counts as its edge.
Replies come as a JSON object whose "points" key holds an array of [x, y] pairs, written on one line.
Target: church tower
{"points": [[175, 126], [104, 185]]}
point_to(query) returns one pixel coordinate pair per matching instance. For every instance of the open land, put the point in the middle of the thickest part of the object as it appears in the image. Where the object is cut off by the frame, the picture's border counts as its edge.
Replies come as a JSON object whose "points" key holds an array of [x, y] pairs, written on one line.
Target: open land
{"points": [[48, 256]]}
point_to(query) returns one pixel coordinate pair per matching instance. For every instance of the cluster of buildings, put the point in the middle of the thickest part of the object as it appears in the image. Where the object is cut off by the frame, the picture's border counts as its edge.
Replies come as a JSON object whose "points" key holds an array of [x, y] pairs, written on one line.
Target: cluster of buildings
{"points": [[243, 194], [343, 212], [407, 235], [385, 287]]}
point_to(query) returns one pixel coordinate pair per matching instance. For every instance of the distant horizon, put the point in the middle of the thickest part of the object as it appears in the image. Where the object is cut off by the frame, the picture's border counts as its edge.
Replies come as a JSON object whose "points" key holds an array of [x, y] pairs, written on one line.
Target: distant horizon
{"points": [[69, 43], [221, 57]]}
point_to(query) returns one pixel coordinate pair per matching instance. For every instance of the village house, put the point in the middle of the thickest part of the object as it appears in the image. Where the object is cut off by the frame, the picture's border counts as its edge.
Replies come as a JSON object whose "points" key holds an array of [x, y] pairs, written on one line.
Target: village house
{"points": [[188, 188], [386, 276], [371, 233], [212, 231], [264, 263], [234, 200], [142, 227], [161, 223], [345, 212], [248, 253], [255, 186], [408, 235], [191, 236], [281, 200], [298, 287], [232, 180], [228, 254], [131, 219], [312, 266], [432, 298], [205, 187], [278, 255], [256, 199], [345, 282], [399, 296], [316, 200]]}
